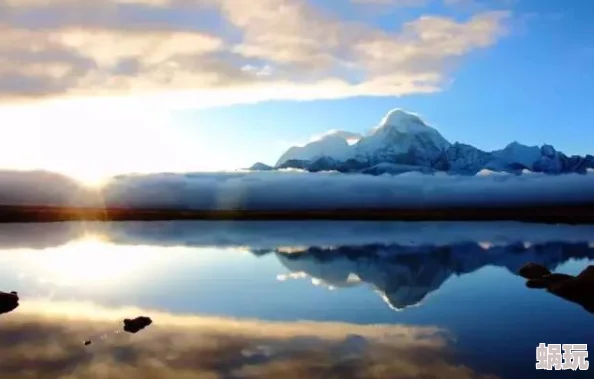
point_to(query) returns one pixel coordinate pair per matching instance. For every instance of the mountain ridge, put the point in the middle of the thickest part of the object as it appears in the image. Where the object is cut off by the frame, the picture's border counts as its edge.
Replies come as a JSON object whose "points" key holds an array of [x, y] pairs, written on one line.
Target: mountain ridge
{"points": [[403, 142]]}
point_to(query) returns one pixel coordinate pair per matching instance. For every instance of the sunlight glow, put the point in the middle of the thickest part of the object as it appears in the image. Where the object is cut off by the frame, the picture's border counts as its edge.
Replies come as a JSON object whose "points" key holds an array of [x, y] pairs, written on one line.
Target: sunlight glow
{"points": [[97, 263], [90, 261], [94, 141]]}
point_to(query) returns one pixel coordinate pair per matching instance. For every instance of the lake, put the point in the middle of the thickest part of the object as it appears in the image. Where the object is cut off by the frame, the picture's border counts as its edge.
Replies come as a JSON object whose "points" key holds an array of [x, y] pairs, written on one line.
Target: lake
{"points": [[287, 299]]}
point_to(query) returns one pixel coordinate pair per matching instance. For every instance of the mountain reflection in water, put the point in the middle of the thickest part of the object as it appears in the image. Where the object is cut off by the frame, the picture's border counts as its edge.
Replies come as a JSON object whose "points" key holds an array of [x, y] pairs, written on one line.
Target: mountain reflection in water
{"points": [[405, 275]]}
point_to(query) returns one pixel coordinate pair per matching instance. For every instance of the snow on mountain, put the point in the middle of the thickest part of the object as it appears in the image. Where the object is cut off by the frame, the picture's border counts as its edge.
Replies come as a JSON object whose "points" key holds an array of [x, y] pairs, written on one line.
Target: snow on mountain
{"points": [[397, 139], [403, 142], [336, 144], [401, 138], [402, 122]]}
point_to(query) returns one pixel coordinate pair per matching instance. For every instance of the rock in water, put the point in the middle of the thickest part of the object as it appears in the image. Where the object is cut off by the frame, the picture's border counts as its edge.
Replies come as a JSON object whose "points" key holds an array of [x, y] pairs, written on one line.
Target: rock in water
{"points": [[137, 324], [577, 289], [587, 275], [536, 283], [533, 271], [8, 302]]}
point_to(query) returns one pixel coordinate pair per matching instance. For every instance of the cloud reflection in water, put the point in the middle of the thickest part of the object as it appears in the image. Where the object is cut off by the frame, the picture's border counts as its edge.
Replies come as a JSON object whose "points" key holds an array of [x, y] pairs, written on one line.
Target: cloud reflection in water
{"points": [[44, 340]]}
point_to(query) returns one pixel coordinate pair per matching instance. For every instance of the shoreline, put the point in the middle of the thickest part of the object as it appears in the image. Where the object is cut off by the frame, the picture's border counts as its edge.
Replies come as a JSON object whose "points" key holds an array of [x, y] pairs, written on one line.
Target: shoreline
{"points": [[563, 214]]}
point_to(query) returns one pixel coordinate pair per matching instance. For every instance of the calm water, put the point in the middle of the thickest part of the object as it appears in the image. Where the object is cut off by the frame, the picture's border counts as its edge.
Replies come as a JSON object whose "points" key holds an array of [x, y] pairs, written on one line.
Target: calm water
{"points": [[290, 300]]}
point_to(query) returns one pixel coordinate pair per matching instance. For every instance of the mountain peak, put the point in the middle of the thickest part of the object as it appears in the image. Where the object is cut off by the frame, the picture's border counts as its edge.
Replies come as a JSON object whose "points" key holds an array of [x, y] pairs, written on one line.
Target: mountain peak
{"points": [[398, 133], [402, 121], [514, 144], [399, 114]]}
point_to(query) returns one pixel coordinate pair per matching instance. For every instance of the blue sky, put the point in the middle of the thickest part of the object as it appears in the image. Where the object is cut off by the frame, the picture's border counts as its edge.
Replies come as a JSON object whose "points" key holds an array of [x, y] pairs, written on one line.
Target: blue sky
{"points": [[159, 85]]}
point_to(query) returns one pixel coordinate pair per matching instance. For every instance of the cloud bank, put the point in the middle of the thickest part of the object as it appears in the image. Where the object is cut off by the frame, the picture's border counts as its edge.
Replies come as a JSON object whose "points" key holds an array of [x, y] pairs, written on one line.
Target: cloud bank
{"points": [[221, 51], [294, 190]]}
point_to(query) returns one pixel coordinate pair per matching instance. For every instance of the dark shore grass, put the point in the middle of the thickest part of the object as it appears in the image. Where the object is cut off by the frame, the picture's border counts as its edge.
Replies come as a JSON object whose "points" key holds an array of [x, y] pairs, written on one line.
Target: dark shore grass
{"points": [[566, 214]]}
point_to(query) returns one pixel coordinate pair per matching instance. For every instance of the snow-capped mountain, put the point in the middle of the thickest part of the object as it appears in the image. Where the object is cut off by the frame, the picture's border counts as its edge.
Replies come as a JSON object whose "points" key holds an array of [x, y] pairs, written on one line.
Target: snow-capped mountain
{"points": [[399, 134], [335, 144], [403, 142]]}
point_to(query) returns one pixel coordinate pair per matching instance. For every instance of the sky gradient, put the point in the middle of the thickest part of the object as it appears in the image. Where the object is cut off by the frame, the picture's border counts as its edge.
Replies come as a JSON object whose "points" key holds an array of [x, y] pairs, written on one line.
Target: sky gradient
{"points": [[100, 87]]}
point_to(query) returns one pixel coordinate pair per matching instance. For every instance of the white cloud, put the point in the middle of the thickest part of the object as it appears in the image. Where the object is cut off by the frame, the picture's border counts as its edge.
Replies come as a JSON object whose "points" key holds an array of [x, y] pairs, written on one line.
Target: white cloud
{"points": [[278, 50]]}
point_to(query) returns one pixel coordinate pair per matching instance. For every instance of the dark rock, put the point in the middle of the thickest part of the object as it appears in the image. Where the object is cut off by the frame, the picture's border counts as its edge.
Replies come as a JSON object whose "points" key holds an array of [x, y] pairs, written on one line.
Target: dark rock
{"points": [[536, 283], [575, 163], [556, 278], [87, 343], [569, 289], [353, 165], [589, 161], [137, 324], [323, 164], [465, 159], [8, 302], [577, 289], [515, 167], [533, 271], [548, 281], [587, 275]]}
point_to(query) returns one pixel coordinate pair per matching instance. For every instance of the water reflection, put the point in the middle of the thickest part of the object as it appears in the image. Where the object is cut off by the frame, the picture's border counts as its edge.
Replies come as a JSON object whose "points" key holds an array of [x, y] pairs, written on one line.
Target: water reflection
{"points": [[227, 299], [289, 234], [45, 341], [405, 275]]}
